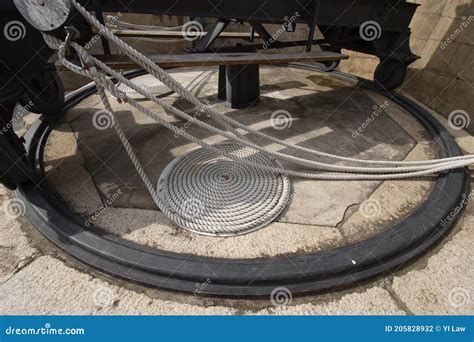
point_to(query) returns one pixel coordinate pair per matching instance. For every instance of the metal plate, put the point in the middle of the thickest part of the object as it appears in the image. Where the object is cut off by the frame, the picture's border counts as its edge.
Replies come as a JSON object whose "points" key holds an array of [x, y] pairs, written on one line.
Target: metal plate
{"points": [[44, 15], [214, 195]]}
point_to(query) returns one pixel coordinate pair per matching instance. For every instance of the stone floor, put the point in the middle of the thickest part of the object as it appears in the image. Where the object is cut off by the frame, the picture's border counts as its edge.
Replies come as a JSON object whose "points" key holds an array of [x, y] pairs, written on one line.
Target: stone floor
{"points": [[87, 166]]}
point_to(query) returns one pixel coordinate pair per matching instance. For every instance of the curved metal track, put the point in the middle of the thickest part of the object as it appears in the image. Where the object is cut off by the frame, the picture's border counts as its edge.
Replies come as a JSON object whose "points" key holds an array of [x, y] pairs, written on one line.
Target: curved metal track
{"points": [[321, 271]]}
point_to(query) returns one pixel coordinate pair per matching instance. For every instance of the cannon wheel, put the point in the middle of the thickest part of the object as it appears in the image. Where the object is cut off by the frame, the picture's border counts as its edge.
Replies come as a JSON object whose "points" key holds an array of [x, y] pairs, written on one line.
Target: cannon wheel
{"points": [[390, 74], [45, 94], [330, 65]]}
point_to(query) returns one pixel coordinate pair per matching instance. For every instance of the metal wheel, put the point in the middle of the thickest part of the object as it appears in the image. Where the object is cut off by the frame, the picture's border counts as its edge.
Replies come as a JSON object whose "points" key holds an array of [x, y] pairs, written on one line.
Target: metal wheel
{"points": [[45, 93], [390, 74], [330, 65]]}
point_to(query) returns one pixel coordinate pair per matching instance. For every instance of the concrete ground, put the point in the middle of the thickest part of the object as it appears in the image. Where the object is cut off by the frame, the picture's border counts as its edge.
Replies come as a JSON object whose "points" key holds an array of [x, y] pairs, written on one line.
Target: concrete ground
{"points": [[91, 172]]}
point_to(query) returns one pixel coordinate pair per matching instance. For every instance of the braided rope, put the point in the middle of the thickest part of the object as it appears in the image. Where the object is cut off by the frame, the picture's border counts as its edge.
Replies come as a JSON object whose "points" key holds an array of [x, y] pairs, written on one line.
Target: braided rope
{"points": [[216, 196]]}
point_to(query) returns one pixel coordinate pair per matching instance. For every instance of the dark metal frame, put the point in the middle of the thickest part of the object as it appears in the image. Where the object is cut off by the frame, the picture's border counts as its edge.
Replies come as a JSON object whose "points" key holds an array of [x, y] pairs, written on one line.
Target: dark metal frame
{"points": [[339, 21]]}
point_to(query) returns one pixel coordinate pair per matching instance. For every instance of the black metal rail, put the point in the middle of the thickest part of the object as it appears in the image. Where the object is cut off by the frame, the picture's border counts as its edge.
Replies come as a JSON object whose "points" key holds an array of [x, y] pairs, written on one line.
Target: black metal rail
{"points": [[396, 14]]}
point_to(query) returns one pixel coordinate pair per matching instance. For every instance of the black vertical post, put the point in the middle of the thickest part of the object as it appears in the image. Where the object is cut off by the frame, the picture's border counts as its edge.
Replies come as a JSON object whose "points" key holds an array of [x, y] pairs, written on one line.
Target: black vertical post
{"points": [[312, 28], [100, 17], [239, 85]]}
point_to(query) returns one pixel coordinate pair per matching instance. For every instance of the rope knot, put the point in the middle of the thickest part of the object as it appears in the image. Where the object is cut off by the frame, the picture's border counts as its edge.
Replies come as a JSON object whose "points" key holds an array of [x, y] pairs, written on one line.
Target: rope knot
{"points": [[120, 96], [88, 65]]}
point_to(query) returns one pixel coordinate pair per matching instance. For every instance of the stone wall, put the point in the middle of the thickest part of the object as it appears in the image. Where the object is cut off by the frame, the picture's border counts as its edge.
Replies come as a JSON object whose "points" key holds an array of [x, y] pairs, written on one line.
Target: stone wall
{"points": [[443, 35]]}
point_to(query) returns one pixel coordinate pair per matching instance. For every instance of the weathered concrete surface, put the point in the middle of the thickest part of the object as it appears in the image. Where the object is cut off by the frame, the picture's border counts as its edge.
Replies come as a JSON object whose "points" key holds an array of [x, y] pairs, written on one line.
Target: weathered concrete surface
{"points": [[445, 285], [63, 290], [15, 251], [373, 301]]}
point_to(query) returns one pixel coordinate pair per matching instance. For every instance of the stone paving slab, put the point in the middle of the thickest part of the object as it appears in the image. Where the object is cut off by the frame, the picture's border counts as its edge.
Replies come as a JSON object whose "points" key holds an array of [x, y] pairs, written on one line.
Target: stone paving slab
{"points": [[48, 286], [66, 174], [405, 120], [390, 202], [15, 251], [321, 201]]}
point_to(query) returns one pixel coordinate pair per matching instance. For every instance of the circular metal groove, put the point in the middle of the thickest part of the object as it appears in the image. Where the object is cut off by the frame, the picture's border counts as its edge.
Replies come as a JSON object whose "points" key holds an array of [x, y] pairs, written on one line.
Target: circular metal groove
{"points": [[323, 270]]}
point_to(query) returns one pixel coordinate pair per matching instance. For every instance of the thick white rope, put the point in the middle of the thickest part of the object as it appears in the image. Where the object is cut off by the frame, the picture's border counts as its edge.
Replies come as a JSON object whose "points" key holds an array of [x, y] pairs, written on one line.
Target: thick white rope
{"points": [[101, 80], [146, 94], [229, 123]]}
